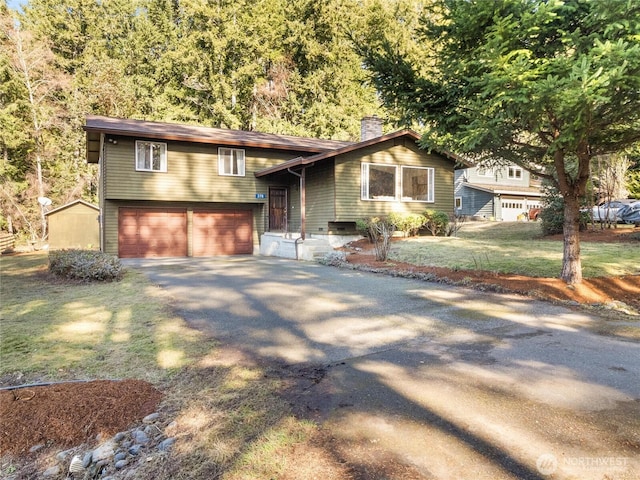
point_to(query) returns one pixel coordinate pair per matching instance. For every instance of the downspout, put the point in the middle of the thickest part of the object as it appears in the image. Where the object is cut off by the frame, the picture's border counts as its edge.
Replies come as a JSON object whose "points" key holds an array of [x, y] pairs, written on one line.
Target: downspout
{"points": [[101, 189], [302, 201]]}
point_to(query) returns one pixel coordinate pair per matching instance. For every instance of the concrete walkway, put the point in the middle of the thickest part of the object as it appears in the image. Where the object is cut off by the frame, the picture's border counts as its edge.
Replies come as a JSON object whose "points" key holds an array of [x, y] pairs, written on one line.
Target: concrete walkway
{"points": [[454, 383]]}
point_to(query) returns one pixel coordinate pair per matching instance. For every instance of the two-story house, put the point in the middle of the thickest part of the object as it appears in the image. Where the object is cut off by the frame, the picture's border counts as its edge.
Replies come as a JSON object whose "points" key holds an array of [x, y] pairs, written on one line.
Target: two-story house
{"points": [[170, 190], [504, 193]]}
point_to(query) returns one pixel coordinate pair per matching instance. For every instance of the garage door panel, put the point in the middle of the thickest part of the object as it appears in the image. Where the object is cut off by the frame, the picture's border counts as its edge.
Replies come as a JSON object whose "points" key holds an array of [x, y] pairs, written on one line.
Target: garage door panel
{"points": [[222, 233], [144, 232]]}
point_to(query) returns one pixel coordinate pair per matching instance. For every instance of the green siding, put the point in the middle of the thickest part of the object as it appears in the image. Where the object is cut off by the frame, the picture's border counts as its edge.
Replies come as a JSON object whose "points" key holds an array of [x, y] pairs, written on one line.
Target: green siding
{"points": [[110, 212], [74, 227], [320, 197], [191, 176], [349, 205]]}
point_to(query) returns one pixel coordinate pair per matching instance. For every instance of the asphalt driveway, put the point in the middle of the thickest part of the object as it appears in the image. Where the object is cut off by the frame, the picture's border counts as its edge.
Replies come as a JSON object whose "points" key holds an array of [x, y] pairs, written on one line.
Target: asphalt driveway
{"points": [[450, 382]]}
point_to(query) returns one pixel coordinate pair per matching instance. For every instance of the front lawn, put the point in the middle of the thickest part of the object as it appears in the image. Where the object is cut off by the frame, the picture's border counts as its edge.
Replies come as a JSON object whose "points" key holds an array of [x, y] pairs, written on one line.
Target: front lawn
{"points": [[231, 419], [517, 248]]}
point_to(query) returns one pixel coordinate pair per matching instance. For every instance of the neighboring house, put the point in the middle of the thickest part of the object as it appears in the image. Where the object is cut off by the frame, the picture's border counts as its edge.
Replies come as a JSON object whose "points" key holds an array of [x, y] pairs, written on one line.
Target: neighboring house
{"points": [[504, 193], [178, 190], [74, 225]]}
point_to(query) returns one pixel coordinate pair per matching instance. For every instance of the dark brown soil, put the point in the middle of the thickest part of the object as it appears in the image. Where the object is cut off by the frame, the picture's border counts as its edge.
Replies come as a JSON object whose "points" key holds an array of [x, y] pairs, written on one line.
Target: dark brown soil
{"points": [[68, 414]]}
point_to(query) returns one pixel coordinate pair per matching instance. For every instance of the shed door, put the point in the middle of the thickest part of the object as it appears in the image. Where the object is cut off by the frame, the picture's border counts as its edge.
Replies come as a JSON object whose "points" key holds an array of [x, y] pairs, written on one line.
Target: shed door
{"points": [[222, 233], [152, 232]]}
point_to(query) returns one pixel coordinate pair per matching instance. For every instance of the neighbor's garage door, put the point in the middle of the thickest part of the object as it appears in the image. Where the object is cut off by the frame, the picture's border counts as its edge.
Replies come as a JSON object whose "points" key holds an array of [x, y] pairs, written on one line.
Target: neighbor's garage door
{"points": [[511, 208], [152, 232], [222, 233]]}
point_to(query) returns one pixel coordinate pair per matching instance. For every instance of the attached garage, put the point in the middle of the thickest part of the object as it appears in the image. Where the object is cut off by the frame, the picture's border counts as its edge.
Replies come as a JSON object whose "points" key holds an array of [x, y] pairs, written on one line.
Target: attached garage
{"points": [[222, 233], [180, 232], [151, 232]]}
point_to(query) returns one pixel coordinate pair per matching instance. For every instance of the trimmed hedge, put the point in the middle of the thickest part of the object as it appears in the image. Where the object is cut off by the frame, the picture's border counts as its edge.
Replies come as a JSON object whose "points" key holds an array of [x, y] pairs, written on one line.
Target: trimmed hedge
{"points": [[436, 222], [408, 223], [85, 265]]}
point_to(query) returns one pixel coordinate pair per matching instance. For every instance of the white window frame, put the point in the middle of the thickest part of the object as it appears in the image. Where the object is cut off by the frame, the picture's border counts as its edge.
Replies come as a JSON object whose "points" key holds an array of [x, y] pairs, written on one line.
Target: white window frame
{"points": [[430, 183], [398, 183], [364, 194], [141, 162], [458, 203], [225, 155], [485, 172], [511, 173]]}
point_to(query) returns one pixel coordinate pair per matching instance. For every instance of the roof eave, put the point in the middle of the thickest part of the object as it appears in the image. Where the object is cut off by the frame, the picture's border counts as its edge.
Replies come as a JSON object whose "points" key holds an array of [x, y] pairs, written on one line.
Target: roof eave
{"points": [[301, 161], [205, 135]]}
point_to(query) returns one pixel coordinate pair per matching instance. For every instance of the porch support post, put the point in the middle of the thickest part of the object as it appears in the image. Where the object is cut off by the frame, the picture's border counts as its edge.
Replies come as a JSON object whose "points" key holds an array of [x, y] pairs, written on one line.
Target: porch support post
{"points": [[303, 215]]}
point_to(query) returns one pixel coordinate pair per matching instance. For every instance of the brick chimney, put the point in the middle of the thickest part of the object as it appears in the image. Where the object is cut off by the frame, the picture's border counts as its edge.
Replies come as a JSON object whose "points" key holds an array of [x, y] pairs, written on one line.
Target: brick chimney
{"points": [[370, 127]]}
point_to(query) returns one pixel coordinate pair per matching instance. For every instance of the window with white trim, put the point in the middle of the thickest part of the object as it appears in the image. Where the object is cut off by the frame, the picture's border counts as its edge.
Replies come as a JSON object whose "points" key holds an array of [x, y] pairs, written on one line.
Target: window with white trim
{"points": [[392, 183], [485, 172], [458, 203], [379, 181], [231, 161], [515, 173], [417, 184], [151, 156]]}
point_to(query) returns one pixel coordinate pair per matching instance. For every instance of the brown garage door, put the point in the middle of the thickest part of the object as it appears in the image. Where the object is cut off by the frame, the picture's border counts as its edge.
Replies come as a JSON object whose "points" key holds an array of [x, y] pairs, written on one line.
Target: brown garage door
{"points": [[222, 233], [152, 232]]}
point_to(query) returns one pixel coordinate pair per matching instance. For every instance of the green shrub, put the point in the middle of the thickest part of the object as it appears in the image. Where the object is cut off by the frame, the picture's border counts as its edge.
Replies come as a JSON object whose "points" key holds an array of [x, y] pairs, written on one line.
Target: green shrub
{"points": [[408, 223], [552, 213], [362, 227], [436, 222], [85, 265], [379, 231]]}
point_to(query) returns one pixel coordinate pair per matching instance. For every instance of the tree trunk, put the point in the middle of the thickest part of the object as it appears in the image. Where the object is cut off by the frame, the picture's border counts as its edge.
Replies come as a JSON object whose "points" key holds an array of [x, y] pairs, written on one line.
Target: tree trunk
{"points": [[571, 263]]}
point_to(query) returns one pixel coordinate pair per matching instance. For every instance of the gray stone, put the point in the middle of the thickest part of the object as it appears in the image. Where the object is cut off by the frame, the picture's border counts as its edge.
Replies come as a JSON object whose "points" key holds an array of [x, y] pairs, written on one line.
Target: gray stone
{"points": [[135, 450], [86, 460], [35, 448], [51, 472], [63, 456], [104, 451], [150, 430], [121, 464], [119, 436], [151, 418], [126, 444], [120, 456], [140, 437], [166, 444]]}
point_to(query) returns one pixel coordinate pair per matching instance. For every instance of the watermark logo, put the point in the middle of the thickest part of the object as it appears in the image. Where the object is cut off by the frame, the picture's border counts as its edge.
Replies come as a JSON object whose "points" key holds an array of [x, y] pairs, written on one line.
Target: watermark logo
{"points": [[547, 464]]}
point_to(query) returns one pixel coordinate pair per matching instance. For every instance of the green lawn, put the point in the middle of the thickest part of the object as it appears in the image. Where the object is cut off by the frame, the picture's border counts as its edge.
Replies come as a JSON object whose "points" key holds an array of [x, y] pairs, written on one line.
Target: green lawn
{"points": [[231, 417], [515, 248]]}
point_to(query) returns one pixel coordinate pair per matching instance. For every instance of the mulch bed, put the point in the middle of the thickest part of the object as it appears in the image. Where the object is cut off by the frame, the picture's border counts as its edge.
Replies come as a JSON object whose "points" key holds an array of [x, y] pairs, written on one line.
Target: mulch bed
{"points": [[68, 414]]}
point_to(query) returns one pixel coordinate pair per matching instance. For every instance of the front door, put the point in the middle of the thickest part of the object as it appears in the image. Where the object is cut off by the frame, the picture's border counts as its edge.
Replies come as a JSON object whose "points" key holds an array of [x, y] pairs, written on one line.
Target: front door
{"points": [[278, 209]]}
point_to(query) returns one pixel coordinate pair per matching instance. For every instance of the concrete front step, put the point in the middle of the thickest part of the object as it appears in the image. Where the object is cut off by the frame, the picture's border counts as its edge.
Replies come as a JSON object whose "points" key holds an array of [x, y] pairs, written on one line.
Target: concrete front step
{"points": [[311, 249]]}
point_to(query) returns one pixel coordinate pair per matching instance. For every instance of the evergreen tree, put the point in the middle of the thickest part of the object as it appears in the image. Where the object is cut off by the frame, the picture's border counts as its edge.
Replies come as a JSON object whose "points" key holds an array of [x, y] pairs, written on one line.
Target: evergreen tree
{"points": [[547, 85]]}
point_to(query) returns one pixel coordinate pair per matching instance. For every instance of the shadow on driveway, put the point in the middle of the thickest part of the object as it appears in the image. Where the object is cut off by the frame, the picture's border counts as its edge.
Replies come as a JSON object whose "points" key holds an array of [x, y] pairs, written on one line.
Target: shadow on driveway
{"points": [[452, 382]]}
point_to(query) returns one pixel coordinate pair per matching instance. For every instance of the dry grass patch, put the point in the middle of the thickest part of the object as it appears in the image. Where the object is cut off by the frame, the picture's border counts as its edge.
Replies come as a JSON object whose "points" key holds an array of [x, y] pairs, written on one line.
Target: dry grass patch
{"points": [[226, 412]]}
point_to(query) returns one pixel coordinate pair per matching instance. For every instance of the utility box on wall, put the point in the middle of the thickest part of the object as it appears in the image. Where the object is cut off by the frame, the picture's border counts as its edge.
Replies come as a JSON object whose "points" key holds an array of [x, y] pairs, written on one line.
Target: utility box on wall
{"points": [[74, 225]]}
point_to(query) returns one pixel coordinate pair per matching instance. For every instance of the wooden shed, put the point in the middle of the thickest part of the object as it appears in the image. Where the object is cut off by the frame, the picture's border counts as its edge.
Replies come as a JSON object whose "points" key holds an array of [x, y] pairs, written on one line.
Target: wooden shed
{"points": [[74, 225]]}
